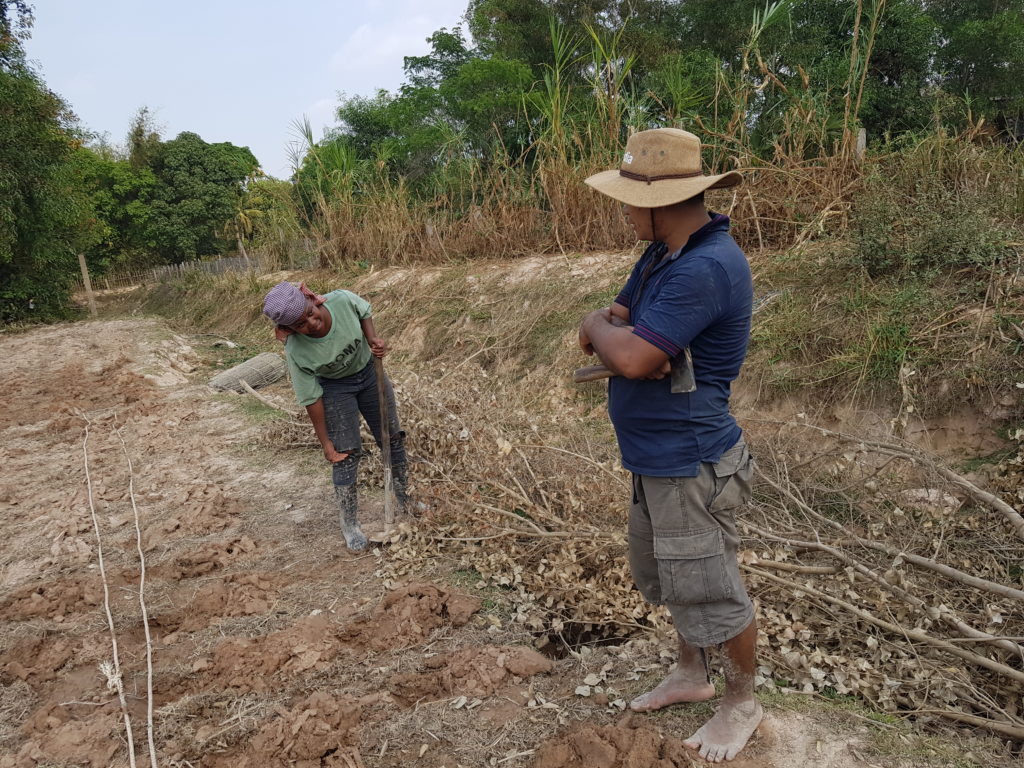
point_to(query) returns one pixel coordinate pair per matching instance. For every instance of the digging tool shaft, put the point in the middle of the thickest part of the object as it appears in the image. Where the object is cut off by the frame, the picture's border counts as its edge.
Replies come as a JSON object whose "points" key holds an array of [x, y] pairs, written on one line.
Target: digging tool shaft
{"points": [[385, 441], [681, 373], [591, 373]]}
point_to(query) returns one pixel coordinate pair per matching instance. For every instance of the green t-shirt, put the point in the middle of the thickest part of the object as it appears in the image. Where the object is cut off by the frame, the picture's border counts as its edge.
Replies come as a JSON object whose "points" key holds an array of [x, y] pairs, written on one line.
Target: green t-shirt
{"points": [[342, 352]]}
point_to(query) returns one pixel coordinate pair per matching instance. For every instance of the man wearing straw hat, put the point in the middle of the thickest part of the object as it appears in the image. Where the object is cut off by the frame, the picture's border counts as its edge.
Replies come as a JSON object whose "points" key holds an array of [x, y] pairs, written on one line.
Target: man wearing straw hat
{"points": [[675, 338]]}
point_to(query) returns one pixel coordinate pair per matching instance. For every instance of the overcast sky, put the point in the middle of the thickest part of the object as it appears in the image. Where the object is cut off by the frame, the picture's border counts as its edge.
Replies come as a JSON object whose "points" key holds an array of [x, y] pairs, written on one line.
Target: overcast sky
{"points": [[229, 71]]}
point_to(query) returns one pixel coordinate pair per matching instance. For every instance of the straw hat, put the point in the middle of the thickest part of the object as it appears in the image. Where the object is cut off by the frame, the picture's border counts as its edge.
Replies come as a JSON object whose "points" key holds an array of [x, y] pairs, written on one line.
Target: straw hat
{"points": [[660, 167]]}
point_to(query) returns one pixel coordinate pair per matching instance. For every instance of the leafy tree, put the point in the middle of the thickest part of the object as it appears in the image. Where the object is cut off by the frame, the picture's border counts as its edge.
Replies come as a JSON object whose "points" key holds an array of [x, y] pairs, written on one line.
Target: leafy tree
{"points": [[143, 139], [520, 29], [196, 192], [120, 196], [275, 227], [447, 55], [44, 214], [981, 56], [485, 96]]}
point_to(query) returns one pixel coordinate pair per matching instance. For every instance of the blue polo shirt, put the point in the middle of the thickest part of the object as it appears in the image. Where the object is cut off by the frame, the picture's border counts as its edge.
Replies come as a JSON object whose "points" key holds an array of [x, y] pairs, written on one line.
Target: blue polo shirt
{"points": [[699, 297]]}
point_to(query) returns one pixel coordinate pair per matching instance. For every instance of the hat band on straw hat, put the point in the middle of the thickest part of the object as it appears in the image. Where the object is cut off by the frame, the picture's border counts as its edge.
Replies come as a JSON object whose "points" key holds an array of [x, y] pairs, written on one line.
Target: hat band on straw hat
{"points": [[649, 179]]}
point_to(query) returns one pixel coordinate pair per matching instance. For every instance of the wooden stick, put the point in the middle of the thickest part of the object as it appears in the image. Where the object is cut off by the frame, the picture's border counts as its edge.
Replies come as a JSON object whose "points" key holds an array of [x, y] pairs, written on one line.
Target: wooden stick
{"points": [[112, 672], [1015, 732], [142, 604], [385, 441], [591, 373], [265, 400], [87, 283]]}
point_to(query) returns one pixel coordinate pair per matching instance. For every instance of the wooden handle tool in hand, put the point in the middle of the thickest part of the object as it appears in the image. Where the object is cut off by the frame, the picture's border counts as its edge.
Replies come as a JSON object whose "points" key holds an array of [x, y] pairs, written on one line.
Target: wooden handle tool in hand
{"points": [[591, 373], [385, 441]]}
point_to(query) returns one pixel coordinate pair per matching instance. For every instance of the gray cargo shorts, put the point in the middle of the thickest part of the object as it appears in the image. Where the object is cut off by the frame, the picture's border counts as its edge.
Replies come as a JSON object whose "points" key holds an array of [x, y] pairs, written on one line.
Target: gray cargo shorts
{"points": [[682, 547]]}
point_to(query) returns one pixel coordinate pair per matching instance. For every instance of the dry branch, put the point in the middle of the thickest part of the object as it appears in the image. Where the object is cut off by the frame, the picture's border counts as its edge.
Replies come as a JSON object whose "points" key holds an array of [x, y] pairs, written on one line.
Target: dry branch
{"points": [[266, 400], [916, 457], [922, 562], [948, 616], [912, 634]]}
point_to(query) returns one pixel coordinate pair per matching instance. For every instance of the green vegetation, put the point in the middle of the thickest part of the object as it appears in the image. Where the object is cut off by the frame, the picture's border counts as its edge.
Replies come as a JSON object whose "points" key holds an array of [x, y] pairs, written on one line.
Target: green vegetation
{"points": [[884, 255]]}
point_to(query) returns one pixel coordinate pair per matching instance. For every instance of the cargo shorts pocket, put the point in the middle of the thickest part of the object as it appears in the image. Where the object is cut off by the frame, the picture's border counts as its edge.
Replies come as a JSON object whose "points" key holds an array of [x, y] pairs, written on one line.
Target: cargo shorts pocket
{"points": [[732, 476], [691, 567]]}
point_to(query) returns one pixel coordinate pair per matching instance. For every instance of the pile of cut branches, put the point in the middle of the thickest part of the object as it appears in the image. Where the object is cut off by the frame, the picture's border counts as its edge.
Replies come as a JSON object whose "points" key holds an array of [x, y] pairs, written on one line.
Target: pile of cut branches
{"points": [[878, 570]]}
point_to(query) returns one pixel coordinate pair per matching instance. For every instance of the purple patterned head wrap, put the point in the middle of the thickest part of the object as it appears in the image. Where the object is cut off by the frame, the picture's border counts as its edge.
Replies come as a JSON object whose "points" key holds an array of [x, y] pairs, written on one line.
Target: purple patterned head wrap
{"points": [[284, 304]]}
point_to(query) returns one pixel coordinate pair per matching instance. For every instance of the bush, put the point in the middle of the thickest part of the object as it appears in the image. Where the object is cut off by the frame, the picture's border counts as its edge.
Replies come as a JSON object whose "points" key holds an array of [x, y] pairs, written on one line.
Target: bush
{"points": [[931, 229], [937, 206]]}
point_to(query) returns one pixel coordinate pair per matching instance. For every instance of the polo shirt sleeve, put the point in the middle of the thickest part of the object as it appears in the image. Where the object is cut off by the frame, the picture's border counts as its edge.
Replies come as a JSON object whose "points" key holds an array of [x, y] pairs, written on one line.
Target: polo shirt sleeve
{"points": [[626, 294], [695, 295], [361, 306], [304, 384]]}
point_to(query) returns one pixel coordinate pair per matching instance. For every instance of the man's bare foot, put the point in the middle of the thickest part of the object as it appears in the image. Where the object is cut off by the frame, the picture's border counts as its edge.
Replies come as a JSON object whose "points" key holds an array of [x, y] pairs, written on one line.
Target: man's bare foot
{"points": [[724, 735], [679, 686]]}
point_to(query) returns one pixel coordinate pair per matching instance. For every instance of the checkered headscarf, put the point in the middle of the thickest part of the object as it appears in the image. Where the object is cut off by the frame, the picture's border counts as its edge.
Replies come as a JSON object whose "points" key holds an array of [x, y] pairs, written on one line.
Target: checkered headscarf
{"points": [[284, 304]]}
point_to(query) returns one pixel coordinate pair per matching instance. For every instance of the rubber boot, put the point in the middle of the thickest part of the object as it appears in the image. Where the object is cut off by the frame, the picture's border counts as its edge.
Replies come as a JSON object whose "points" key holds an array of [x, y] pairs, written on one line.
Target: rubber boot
{"points": [[400, 485], [347, 498]]}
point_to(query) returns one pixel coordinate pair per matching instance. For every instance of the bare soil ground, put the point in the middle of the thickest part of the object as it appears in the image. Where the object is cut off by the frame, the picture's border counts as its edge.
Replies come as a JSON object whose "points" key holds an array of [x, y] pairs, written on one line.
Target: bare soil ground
{"points": [[272, 644]]}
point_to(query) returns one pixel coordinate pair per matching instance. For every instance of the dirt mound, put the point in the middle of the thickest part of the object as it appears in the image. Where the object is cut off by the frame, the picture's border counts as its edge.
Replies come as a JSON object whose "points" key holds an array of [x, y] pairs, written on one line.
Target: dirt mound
{"points": [[408, 615], [207, 559], [470, 672], [240, 594], [250, 664], [50, 599], [37, 660], [203, 509], [318, 731], [58, 739], [37, 396], [625, 745]]}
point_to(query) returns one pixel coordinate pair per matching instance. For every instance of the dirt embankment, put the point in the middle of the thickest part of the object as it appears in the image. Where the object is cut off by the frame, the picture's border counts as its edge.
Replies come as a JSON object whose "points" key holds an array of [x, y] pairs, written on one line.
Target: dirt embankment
{"points": [[271, 644]]}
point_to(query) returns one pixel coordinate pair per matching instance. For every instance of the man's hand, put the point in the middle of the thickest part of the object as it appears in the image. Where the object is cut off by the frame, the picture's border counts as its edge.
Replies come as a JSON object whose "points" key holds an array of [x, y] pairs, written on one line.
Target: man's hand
{"points": [[605, 314], [662, 372], [585, 345], [378, 346], [607, 334], [332, 455]]}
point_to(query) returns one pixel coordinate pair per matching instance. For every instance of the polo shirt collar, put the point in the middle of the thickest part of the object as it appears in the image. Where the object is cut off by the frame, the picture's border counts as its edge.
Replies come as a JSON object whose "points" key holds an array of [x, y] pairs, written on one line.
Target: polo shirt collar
{"points": [[719, 223]]}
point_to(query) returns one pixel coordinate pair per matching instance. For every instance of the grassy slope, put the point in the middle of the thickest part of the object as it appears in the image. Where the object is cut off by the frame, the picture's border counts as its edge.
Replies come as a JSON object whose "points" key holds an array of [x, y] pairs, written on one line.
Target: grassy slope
{"points": [[483, 344]]}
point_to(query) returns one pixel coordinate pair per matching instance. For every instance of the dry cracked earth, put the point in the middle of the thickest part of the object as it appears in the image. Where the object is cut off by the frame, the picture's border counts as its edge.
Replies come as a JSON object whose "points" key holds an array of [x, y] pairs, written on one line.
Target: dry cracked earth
{"points": [[272, 645]]}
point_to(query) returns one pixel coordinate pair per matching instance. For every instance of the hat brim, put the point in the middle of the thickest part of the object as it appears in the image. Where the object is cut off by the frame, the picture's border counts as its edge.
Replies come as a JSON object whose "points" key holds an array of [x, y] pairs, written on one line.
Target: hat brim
{"points": [[657, 193]]}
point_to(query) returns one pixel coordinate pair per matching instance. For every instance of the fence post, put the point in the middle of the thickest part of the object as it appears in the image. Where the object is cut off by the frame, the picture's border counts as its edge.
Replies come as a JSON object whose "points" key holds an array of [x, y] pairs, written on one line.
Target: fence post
{"points": [[88, 284]]}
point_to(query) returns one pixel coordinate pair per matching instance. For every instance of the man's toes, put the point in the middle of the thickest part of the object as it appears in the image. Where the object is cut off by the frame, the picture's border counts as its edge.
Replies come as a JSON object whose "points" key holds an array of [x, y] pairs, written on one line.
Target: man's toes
{"points": [[639, 704]]}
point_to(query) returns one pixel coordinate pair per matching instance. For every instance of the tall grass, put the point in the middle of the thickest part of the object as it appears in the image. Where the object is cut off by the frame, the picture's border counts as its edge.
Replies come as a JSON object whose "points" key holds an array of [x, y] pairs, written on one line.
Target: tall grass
{"points": [[795, 141]]}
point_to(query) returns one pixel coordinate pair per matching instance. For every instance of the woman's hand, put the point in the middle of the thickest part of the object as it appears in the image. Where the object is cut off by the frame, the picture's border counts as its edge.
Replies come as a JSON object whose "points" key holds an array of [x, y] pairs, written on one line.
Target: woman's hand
{"points": [[332, 455], [378, 346]]}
